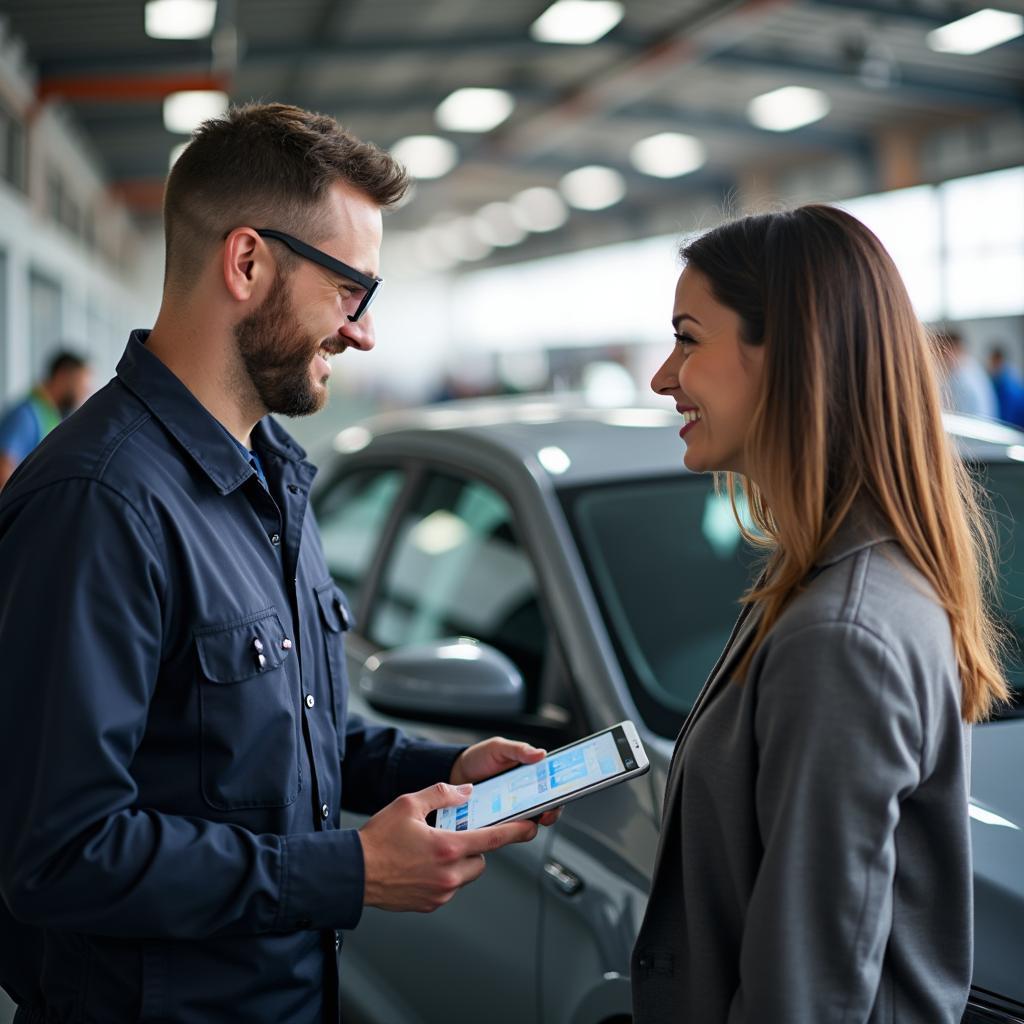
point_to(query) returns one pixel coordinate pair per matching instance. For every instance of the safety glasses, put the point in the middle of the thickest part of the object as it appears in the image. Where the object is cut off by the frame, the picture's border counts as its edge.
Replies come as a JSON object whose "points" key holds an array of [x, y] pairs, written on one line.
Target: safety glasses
{"points": [[370, 285]]}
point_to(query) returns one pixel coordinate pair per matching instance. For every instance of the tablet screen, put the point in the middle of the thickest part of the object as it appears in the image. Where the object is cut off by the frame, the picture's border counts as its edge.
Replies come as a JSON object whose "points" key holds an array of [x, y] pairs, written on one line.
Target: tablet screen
{"points": [[564, 772]]}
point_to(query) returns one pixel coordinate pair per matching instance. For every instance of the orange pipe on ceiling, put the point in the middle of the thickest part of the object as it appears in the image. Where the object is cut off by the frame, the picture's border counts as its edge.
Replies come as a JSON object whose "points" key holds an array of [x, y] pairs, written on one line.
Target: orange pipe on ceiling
{"points": [[125, 87]]}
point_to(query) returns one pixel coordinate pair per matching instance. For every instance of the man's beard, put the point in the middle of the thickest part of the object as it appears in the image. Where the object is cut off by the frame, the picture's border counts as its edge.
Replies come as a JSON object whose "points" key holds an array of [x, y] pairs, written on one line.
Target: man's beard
{"points": [[276, 356]]}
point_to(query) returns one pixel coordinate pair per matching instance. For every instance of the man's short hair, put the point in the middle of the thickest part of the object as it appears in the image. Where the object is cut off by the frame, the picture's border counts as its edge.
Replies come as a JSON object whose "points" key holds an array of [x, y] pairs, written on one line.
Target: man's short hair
{"points": [[63, 360], [265, 165]]}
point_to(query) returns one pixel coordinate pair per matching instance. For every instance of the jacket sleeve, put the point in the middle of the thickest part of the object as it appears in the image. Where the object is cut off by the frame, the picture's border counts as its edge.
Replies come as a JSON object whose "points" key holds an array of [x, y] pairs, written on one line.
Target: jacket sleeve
{"points": [[81, 625], [838, 731], [382, 763]]}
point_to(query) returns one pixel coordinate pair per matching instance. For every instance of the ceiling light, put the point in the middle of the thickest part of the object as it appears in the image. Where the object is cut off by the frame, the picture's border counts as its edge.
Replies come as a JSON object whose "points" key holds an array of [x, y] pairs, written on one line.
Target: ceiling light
{"points": [[464, 240], [668, 155], [786, 109], [180, 19], [979, 31], [593, 187], [496, 223], [426, 156], [430, 248], [577, 21], [474, 110], [539, 209], [176, 151], [186, 111]]}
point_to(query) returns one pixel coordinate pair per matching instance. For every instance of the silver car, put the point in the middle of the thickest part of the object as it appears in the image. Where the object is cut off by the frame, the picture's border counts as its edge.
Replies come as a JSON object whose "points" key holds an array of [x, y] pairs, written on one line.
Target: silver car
{"points": [[600, 581]]}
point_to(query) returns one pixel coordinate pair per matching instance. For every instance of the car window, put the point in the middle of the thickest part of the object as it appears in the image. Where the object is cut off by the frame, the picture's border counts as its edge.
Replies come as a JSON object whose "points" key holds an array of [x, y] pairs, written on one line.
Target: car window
{"points": [[669, 588], [669, 564], [457, 569], [352, 514]]}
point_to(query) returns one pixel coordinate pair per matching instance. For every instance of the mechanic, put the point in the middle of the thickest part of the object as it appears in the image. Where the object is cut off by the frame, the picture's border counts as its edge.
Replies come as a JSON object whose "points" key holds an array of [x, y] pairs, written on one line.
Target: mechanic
{"points": [[174, 739]]}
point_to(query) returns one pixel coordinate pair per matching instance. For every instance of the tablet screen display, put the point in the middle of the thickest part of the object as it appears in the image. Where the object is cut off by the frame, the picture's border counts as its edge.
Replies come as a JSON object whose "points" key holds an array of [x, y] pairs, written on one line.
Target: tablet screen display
{"points": [[558, 775]]}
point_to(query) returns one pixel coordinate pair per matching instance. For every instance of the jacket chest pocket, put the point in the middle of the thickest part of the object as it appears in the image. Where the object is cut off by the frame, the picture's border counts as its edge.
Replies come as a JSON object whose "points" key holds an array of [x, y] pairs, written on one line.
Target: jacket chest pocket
{"points": [[335, 619], [248, 726]]}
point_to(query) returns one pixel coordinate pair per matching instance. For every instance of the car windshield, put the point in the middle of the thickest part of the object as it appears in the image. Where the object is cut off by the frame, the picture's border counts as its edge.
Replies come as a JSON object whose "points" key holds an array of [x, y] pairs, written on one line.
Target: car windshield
{"points": [[668, 564]]}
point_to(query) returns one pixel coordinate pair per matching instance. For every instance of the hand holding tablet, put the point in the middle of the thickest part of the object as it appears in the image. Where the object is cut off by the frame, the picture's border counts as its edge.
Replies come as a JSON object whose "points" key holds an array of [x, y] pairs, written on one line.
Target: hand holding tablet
{"points": [[527, 791]]}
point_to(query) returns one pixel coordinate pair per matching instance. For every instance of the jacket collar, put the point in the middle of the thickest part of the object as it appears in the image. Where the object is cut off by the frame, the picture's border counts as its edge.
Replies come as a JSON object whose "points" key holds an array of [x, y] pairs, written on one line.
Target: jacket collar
{"points": [[863, 527], [184, 417]]}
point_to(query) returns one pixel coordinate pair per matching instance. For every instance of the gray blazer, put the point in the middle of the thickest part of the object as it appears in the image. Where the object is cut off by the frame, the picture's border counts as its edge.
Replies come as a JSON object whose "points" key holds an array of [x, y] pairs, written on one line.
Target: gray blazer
{"points": [[814, 863]]}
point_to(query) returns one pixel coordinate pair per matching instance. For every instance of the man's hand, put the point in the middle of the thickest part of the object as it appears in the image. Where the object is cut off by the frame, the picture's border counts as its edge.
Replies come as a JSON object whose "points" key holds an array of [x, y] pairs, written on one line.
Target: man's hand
{"points": [[482, 760], [410, 866]]}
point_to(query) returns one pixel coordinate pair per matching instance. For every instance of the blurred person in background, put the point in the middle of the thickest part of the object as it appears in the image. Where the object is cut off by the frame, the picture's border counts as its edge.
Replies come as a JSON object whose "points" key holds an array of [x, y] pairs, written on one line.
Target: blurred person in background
{"points": [[174, 733], [817, 799], [67, 384], [1008, 386], [967, 387]]}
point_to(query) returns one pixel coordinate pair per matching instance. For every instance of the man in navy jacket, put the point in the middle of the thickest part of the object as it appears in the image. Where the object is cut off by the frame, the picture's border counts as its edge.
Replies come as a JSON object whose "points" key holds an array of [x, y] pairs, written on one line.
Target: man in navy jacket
{"points": [[174, 739]]}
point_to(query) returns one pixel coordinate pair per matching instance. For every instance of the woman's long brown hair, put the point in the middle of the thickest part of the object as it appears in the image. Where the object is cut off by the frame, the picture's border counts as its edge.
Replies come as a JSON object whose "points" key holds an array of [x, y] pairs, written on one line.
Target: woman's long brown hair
{"points": [[849, 410]]}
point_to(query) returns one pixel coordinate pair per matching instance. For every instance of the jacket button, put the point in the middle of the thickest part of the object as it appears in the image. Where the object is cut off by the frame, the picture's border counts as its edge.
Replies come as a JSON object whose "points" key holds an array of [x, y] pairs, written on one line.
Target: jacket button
{"points": [[310, 700], [275, 538], [286, 644], [325, 811], [261, 660], [257, 644]]}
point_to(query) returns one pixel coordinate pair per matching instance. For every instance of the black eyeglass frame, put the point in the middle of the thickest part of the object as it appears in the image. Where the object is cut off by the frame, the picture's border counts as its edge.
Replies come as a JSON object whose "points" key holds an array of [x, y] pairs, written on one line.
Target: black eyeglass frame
{"points": [[370, 284]]}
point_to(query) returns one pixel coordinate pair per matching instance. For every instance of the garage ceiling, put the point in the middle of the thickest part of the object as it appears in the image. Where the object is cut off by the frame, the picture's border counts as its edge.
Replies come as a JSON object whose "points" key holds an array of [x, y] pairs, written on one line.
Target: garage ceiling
{"points": [[382, 67]]}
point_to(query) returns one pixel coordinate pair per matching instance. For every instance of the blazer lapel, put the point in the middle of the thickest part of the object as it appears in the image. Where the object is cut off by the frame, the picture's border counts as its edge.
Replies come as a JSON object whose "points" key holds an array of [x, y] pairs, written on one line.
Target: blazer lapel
{"points": [[742, 634]]}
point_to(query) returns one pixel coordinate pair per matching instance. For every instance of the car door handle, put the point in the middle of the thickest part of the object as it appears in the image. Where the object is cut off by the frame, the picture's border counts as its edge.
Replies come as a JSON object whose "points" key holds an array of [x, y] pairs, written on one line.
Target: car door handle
{"points": [[565, 880]]}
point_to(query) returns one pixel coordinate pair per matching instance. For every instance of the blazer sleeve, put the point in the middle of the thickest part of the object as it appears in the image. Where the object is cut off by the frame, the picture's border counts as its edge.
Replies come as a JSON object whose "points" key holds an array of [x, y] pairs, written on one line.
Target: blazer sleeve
{"points": [[839, 736], [81, 625]]}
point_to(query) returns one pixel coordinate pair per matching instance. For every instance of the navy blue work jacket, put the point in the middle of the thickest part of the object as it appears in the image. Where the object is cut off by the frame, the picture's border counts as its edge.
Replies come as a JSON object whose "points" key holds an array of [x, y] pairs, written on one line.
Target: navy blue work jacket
{"points": [[174, 744]]}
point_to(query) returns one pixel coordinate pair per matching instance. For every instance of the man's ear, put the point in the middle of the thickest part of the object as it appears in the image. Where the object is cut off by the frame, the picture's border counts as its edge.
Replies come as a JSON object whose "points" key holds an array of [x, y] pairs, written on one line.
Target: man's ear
{"points": [[246, 264]]}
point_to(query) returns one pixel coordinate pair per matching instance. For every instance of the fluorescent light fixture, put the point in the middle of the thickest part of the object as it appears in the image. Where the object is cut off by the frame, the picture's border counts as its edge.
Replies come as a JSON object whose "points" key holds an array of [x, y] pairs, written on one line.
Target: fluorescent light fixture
{"points": [[474, 110], [554, 460], [176, 151], [593, 187], [979, 31], [668, 155], [788, 108], [180, 19], [496, 224], [437, 248], [539, 209], [577, 21], [186, 111], [426, 156], [464, 240]]}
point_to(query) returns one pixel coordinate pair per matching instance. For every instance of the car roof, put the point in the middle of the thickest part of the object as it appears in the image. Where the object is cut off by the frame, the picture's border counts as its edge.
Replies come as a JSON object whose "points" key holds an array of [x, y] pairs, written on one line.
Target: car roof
{"points": [[575, 442]]}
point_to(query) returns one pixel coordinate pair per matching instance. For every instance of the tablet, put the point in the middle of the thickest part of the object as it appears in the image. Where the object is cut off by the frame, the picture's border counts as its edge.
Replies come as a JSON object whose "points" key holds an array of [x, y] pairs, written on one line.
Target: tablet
{"points": [[596, 762]]}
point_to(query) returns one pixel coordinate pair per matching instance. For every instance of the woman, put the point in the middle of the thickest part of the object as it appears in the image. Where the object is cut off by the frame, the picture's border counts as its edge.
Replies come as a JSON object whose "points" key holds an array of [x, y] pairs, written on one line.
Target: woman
{"points": [[814, 864]]}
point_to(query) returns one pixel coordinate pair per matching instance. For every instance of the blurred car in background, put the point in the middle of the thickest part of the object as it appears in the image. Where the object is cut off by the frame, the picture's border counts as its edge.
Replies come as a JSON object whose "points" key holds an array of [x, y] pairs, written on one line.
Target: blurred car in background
{"points": [[597, 580]]}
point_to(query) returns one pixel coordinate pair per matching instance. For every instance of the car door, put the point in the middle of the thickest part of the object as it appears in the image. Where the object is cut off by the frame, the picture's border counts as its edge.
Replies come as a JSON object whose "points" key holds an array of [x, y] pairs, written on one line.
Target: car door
{"points": [[454, 566]]}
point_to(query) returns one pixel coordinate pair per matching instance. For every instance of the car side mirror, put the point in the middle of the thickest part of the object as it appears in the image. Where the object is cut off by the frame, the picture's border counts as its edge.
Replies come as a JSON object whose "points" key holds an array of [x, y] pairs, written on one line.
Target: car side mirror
{"points": [[455, 678]]}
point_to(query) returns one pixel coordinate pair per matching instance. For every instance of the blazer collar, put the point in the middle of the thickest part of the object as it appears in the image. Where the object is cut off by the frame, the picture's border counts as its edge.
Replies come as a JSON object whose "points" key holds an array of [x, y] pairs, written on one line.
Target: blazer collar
{"points": [[863, 528]]}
